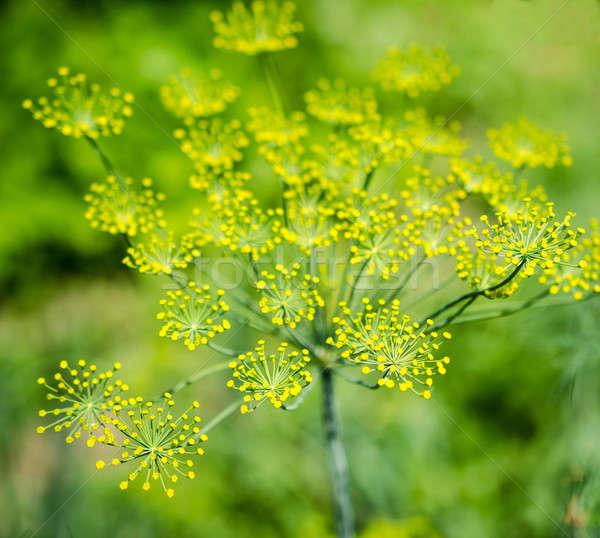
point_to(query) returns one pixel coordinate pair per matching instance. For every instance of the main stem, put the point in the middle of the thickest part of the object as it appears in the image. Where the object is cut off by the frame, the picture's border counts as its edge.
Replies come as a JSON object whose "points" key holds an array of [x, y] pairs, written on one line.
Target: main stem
{"points": [[338, 464]]}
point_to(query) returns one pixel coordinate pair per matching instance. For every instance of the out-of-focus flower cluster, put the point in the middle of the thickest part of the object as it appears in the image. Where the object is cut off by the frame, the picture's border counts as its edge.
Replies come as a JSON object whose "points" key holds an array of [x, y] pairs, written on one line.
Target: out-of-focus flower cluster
{"points": [[78, 108], [199, 95], [265, 26], [523, 144], [123, 206], [415, 70]]}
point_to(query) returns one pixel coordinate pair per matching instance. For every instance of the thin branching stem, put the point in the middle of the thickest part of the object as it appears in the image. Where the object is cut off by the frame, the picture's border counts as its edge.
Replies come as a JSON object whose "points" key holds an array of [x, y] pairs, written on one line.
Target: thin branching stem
{"points": [[200, 374], [472, 296], [355, 381], [228, 352], [220, 417]]}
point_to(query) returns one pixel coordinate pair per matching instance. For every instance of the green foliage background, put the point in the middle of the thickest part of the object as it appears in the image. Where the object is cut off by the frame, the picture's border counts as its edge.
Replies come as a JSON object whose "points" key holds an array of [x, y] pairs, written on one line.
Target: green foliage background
{"points": [[511, 436]]}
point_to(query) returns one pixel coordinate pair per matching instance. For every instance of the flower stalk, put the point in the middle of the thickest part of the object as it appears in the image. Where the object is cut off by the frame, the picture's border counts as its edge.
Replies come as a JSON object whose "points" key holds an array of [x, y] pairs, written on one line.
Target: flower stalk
{"points": [[338, 464]]}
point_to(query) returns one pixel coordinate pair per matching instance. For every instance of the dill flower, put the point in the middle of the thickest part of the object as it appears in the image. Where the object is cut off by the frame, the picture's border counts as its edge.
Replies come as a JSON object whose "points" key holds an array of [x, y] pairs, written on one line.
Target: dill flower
{"points": [[523, 144], [415, 70], [288, 295], [578, 274], [384, 342], [271, 128], [79, 108], [311, 224], [481, 270], [266, 26], [237, 223], [162, 446], [337, 164], [376, 237], [198, 95], [433, 136], [193, 315], [273, 377], [480, 177], [254, 232], [81, 394], [161, 253], [121, 205], [335, 102], [212, 144], [382, 141], [429, 196], [288, 162], [533, 237]]}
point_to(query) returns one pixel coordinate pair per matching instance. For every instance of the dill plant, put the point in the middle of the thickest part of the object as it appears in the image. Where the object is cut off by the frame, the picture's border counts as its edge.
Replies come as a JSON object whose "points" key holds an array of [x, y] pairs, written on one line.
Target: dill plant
{"points": [[331, 266]]}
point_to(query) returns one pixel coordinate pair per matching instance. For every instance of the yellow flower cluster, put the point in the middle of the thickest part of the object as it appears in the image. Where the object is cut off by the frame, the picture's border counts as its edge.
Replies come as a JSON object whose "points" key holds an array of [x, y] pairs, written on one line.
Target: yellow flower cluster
{"points": [[274, 377], [483, 178], [288, 296], [310, 223], [237, 223], [81, 394], [433, 136], [376, 235], [213, 145], [122, 206], [335, 164], [198, 95], [578, 274], [79, 108], [336, 103], [379, 142], [522, 144], [163, 447], [533, 238], [161, 253], [193, 315], [415, 70], [434, 204], [482, 271], [273, 129], [266, 26], [385, 343]]}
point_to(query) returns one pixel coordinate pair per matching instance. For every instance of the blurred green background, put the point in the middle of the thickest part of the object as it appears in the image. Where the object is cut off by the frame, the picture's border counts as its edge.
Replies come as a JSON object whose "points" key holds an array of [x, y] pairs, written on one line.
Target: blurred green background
{"points": [[509, 445]]}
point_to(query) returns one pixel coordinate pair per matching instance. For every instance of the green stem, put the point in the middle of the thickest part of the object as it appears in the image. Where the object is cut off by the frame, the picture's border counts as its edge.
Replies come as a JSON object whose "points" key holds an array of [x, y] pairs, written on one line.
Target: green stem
{"points": [[529, 303], [270, 78], [223, 350], [354, 381], [198, 376], [368, 179], [220, 417], [338, 464], [472, 296], [106, 162]]}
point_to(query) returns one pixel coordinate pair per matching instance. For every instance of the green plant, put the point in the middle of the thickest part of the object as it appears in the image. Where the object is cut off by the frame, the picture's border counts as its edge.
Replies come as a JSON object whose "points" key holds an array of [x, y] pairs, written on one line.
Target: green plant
{"points": [[335, 283]]}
